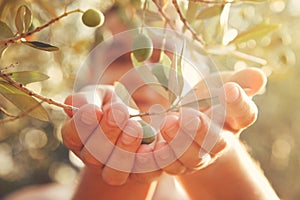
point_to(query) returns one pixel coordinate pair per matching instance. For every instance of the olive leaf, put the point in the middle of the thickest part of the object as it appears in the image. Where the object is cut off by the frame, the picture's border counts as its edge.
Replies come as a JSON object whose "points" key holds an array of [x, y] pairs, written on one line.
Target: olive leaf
{"points": [[41, 45], [5, 31], [25, 77], [124, 95], [255, 32], [161, 69], [176, 82], [23, 101], [210, 12], [148, 77], [191, 11], [23, 19]]}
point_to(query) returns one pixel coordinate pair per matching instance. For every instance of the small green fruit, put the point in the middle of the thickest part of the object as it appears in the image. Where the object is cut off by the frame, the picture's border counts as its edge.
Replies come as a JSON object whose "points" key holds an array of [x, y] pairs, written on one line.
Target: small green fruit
{"points": [[142, 47], [148, 132], [92, 18]]}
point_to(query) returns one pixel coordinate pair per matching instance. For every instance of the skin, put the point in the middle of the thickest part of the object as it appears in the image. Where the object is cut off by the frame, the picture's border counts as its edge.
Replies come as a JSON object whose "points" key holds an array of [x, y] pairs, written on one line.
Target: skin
{"points": [[97, 137]]}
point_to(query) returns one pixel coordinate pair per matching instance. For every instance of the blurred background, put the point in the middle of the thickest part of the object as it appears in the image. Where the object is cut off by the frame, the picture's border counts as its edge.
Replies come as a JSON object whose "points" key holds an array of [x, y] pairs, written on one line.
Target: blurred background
{"points": [[31, 151]]}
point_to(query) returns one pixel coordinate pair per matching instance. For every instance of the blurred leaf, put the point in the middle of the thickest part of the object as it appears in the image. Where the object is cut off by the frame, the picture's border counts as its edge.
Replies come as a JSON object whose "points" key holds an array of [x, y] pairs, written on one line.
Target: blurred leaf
{"points": [[23, 19], [124, 95], [255, 32], [148, 77], [176, 82], [25, 77], [158, 70], [191, 11], [23, 101], [210, 12], [41, 45], [5, 31], [206, 102], [2, 49]]}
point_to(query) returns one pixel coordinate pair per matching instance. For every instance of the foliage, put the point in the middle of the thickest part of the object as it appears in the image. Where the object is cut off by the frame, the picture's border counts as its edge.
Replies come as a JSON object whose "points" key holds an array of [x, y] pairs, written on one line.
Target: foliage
{"points": [[233, 34]]}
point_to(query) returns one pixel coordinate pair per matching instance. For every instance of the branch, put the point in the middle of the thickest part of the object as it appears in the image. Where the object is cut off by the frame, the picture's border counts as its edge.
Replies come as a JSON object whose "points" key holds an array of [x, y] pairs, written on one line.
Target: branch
{"points": [[186, 24], [160, 10], [33, 94], [23, 35]]}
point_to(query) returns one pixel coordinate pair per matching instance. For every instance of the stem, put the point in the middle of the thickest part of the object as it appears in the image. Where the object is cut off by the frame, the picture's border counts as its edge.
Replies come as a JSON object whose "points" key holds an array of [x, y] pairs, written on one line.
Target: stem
{"points": [[33, 94], [23, 35], [186, 24], [144, 16]]}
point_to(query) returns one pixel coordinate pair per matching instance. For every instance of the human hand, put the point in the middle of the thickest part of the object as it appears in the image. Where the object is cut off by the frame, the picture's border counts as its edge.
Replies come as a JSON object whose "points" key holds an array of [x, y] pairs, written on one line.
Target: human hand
{"points": [[102, 135], [193, 140]]}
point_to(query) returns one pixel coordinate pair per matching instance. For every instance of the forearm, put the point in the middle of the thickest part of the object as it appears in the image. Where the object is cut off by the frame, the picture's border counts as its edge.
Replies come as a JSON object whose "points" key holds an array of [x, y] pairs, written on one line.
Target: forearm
{"points": [[91, 186], [233, 176]]}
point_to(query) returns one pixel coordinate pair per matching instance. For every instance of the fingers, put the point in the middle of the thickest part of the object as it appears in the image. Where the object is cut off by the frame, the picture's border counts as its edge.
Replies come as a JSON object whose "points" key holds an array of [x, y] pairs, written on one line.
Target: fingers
{"points": [[145, 168], [253, 80], [121, 161], [241, 111], [188, 133], [78, 129]]}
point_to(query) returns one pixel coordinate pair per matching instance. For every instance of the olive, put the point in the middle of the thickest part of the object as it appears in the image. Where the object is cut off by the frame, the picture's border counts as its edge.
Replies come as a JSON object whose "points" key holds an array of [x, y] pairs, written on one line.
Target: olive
{"points": [[92, 18], [148, 132], [142, 47]]}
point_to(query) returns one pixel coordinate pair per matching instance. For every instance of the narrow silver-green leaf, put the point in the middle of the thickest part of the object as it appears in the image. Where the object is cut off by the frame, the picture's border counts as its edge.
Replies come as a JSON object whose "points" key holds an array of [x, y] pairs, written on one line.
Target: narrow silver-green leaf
{"points": [[41, 45], [5, 31], [23, 101], [191, 11], [210, 12], [148, 77], [124, 95], [159, 72], [255, 32], [25, 77], [23, 19]]}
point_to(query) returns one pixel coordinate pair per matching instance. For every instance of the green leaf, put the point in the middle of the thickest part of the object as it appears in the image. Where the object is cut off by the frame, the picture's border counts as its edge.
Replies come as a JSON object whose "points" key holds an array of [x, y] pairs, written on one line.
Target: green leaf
{"points": [[5, 31], [206, 102], [255, 32], [41, 45], [176, 82], [124, 95], [25, 77], [158, 71], [148, 77], [23, 101], [191, 11], [23, 19], [210, 12]]}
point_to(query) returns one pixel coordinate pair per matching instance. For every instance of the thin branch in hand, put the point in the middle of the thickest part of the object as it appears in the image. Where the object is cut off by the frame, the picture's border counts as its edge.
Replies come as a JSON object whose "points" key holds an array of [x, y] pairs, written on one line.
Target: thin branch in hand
{"points": [[33, 94], [213, 2]]}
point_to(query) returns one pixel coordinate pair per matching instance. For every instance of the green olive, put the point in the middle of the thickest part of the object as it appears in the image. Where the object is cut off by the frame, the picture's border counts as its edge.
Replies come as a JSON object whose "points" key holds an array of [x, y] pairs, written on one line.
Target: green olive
{"points": [[142, 47], [92, 18], [148, 132]]}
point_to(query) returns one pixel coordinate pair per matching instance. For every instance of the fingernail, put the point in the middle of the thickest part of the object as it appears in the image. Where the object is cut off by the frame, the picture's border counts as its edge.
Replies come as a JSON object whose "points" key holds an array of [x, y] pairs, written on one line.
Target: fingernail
{"points": [[89, 117], [190, 120], [205, 159], [232, 94], [116, 117], [130, 134]]}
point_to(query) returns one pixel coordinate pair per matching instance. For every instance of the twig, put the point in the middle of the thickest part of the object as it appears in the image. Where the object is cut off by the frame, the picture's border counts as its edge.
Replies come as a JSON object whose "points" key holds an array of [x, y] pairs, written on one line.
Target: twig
{"points": [[160, 10], [23, 35], [23, 114], [31, 93], [186, 24]]}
